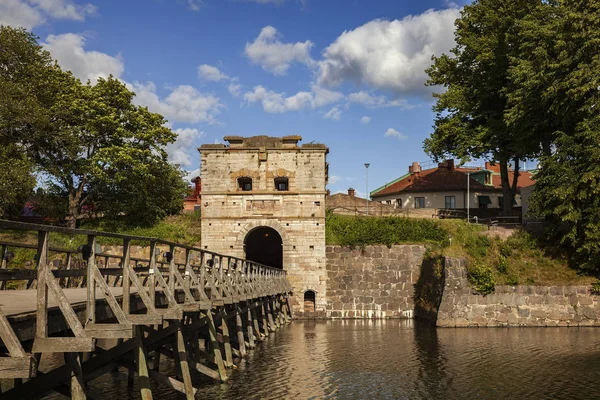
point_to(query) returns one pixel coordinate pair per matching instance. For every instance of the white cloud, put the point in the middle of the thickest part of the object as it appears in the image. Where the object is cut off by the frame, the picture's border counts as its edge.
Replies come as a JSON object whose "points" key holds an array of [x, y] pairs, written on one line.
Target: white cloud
{"points": [[235, 89], [31, 13], [179, 151], [68, 50], [64, 9], [391, 132], [183, 104], [273, 55], [370, 101], [390, 55], [365, 120], [335, 114], [195, 4], [210, 73], [333, 179], [273, 102], [191, 175]]}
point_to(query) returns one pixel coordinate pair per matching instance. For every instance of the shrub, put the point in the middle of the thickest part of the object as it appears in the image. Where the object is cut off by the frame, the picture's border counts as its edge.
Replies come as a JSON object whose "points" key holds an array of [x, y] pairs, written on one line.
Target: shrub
{"points": [[363, 231], [481, 279]]}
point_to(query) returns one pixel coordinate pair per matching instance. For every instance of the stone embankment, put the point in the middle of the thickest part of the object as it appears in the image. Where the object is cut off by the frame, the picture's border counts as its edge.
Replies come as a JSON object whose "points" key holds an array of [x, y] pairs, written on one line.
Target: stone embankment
{"points": [[375, 282], [523, 305]]}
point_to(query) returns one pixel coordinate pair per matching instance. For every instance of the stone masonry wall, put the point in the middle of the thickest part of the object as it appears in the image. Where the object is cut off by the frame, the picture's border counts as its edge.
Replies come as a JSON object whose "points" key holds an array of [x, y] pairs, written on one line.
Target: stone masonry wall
{"points": [[513, 305], [377, 282]]}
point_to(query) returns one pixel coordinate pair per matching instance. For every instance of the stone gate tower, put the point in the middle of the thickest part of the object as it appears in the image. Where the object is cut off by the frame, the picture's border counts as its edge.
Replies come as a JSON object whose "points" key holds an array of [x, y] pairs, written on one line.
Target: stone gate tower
{"points": [[263, 198]]}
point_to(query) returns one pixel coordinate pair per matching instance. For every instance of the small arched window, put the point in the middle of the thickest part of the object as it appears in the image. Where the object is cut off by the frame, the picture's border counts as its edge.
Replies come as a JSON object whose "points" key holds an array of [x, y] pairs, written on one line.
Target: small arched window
{"points": [[310, 299], [282, 183], [245, 183]]}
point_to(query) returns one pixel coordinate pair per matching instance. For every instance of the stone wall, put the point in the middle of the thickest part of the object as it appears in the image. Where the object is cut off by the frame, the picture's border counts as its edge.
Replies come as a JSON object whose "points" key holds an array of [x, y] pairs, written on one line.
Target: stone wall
{"points": [[513, 305], [376, 282]]}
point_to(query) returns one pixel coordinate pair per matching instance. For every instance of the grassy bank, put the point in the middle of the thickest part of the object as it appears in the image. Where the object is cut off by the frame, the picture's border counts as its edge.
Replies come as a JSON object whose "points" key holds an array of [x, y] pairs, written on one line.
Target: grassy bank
{"points": [[521, 259]]}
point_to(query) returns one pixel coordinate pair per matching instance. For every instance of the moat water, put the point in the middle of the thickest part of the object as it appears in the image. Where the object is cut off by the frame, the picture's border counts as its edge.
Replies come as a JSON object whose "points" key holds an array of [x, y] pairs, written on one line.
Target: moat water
{"points": [[394, 359]]}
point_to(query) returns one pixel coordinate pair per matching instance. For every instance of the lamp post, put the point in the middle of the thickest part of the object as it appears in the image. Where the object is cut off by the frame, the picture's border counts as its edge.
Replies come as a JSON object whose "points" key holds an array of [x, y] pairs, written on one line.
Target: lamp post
{"points": [[468, 196], [367, 182]]}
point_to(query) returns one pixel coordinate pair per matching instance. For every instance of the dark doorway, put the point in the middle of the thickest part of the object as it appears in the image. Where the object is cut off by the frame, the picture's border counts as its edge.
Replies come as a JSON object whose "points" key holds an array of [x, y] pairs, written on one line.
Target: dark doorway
{"points": [[310, 298], [264, 245]]}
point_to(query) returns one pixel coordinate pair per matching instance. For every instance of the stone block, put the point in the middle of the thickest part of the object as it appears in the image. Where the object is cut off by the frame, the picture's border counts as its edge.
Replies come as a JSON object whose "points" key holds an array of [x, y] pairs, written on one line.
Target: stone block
{"points": [[590, 313], [585, 300], [539, 313]]}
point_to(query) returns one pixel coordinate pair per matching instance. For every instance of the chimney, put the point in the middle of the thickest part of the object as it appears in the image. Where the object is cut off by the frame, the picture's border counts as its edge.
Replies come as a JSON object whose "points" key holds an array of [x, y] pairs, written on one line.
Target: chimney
{"points": [[415, 168], [351, 192], [450, 164], [197, 181]]}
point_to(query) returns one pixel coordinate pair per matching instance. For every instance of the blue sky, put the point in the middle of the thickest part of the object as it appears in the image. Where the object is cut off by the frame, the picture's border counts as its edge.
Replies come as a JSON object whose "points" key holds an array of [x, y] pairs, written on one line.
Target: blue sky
{"points": [[347, 73]]}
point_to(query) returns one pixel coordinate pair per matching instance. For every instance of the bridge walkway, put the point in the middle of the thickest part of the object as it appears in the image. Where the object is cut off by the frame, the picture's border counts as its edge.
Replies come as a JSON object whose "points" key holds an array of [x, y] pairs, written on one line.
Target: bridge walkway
{"points": [[103, 310]]}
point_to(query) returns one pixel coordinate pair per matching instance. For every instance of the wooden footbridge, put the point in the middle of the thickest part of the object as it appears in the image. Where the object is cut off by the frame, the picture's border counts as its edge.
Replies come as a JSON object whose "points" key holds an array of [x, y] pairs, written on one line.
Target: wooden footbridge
{"points": [[113, 312]]}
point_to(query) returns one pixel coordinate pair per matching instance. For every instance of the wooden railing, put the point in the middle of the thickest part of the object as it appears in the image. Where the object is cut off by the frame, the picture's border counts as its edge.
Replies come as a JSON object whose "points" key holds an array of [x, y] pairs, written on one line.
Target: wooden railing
{"points": [[179, 279]]}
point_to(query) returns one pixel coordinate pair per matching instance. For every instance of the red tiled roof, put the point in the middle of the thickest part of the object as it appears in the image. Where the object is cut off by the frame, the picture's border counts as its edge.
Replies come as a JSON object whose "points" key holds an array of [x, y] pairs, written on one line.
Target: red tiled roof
{"points": [[433, 180], [443, 179], [525, 179]]}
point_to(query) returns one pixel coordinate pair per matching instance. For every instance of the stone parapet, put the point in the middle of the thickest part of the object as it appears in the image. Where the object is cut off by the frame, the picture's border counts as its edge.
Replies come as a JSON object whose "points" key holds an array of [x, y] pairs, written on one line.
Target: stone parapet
{"points": [[523, 305]]}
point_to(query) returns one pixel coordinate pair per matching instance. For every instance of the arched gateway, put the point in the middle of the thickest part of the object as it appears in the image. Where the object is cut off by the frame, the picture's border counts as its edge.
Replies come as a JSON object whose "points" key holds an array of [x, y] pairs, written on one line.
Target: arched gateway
{"points": [[263, 198], [264, 245]]}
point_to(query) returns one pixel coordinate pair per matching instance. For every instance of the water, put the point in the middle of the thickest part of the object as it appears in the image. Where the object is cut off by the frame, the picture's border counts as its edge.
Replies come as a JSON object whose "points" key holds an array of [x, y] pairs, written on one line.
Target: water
{"points": [[403, 360]]}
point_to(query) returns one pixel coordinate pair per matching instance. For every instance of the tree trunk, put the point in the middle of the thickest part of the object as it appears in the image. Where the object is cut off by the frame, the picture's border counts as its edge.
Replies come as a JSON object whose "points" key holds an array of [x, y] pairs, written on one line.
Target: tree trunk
{"points": [[506, 187]]}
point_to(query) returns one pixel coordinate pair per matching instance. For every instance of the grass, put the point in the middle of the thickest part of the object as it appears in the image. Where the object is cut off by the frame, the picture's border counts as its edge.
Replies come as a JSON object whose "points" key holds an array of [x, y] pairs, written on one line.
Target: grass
{"points": [[520, 259]]}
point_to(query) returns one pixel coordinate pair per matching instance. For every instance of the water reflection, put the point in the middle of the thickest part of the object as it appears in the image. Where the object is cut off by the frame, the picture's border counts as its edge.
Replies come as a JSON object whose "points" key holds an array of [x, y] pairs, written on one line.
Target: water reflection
{"points": [[356, 359]]}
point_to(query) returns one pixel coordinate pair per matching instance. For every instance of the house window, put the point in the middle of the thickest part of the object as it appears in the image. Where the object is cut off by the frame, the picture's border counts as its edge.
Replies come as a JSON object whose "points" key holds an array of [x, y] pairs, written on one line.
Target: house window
{"points": [[483, 201], [245, 184], [419, 202], [388, 202], [398, 203], [282, 184], [488, 178], [450, 202]]}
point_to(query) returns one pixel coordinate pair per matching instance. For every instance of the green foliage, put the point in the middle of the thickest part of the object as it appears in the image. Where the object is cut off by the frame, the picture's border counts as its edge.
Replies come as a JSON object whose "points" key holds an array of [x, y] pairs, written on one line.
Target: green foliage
{"points": [[16, 180], [363, 231], [595, 290], [96, 148], [502, 266], [469, 119], [481, 279]]}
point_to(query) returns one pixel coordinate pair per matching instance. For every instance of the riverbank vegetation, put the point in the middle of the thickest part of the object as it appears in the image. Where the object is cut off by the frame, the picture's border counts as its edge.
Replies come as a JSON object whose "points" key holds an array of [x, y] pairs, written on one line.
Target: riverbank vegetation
{"points": [[523, 258]]}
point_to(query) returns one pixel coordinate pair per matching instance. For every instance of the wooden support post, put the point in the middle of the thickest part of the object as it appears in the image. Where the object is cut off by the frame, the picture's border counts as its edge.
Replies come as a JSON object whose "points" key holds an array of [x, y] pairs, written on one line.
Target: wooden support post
{"points": [[73, 360], [249, 324], [151, 274], [41, 325], [156, 359], [226, 340], [183, 362], [272, 326], [91, 284], [126, 280], [264, 319], [142, 366], [257, 331], [216, 350], [240, 330]]}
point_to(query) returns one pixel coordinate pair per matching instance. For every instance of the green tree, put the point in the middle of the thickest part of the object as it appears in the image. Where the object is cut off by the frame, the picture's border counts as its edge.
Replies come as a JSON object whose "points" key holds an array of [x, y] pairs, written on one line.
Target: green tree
{"points": [[555, 93], [470, 114], [102, 140], [82, 137]]}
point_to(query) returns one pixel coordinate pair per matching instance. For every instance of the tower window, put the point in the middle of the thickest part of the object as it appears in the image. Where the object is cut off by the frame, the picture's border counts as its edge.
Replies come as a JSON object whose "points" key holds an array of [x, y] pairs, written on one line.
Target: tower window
{"points": [[282, 184], [245, 184]]}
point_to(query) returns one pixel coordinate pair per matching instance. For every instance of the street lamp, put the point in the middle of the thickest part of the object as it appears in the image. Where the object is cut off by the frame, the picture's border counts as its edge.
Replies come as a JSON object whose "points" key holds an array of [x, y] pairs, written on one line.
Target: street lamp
{"points": [[367, 179], [468, 196]]}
